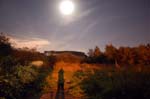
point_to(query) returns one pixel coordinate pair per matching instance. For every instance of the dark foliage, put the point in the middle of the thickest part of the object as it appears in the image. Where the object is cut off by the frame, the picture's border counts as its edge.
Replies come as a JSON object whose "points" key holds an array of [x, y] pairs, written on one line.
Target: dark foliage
{"points": [[112, 84], [123, 55], [17, 78], [5, 46]]}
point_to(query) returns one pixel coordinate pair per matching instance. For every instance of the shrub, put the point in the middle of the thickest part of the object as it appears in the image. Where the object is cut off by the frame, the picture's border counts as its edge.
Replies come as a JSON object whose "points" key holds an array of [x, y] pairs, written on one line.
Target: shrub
{"points": [[112, 84], [18, 81]]}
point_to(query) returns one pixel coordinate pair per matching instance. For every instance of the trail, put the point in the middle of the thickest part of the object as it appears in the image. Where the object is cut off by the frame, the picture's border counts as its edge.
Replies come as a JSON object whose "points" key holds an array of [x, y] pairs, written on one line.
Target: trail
{"points": [[62, 94], [59, 93]]}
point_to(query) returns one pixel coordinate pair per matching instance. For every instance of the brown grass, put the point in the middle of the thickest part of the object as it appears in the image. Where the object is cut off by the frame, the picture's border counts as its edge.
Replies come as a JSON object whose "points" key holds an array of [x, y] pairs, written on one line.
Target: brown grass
{"points": [[69, 70]]}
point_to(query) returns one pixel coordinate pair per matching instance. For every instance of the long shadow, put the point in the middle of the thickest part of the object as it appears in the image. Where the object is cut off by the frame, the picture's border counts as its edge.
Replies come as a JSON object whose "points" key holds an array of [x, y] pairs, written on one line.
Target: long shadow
{"points": [[60, 87]]}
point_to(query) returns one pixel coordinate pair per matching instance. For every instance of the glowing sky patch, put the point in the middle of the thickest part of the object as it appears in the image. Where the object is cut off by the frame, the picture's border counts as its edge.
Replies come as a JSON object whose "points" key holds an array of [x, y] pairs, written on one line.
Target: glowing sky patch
{"points": [[67, 7], [37, 43]]}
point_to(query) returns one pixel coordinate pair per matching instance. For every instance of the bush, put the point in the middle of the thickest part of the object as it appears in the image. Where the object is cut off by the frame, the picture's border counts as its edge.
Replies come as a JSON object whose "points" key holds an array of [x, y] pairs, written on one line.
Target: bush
{"points": [[18, 81], [112, 84]]}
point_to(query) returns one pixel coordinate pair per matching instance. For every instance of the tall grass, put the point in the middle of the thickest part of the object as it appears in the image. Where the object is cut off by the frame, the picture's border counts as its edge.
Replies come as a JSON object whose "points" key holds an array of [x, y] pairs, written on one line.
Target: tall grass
{"points": [[110, 83]]}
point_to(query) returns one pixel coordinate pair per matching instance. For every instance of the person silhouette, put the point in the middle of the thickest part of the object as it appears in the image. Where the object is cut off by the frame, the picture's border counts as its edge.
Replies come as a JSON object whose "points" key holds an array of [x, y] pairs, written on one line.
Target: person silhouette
{"points": [[61, 79], [60, 89]]}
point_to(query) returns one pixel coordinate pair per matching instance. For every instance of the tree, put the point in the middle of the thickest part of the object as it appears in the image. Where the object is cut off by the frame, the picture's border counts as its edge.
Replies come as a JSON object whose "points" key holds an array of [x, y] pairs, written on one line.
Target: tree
{"points": [[143, 54], [111, 53], [5, 46], [97, 52], [91, 53]]}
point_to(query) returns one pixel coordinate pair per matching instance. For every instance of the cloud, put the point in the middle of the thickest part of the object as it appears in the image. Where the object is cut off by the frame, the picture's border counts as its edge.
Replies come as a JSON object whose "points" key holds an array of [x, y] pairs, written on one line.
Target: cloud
{"points": [[80, 16], [37, 43]]}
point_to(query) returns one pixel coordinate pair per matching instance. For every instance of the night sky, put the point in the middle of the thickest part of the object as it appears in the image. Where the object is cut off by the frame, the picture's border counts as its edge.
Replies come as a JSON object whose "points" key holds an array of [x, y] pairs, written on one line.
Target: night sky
{"points": [[39, 23]]}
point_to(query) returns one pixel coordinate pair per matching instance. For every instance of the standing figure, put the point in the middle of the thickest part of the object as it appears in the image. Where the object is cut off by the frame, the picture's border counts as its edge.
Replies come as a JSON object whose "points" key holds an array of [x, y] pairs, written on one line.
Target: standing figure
{"points": [[60, 89], [61, 79]]}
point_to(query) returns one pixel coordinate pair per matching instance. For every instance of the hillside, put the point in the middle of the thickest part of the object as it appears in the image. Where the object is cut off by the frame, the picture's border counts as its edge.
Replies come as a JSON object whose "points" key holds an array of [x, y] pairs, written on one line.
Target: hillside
{"points": [[67, 56]]}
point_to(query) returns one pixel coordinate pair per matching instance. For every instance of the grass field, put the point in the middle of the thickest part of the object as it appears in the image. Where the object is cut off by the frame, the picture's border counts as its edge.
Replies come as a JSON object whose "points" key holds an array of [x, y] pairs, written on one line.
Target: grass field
{"points": [[79, 76]]}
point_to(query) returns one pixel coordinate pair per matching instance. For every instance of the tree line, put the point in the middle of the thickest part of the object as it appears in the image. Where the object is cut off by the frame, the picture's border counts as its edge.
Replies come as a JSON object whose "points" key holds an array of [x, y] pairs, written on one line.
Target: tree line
{"points": [[121, 55]]}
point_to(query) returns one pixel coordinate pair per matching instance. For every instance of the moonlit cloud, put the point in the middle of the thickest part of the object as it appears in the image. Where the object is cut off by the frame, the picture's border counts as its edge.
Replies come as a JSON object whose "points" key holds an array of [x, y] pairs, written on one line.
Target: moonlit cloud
{"points": [[37, 43], [86, 13], [79, 17]]}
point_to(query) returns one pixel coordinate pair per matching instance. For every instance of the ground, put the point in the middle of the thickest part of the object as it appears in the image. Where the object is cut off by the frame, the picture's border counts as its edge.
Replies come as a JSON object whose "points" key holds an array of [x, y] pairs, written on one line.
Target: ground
{"points": [[71, 88]]}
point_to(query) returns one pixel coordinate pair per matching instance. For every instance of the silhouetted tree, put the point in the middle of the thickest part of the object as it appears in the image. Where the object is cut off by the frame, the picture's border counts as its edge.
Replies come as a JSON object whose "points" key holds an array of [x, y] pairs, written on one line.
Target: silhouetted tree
{"points": [[5, 46], [122, 55], [111, 53], [143, 54], [97, 52], [91, 53]]}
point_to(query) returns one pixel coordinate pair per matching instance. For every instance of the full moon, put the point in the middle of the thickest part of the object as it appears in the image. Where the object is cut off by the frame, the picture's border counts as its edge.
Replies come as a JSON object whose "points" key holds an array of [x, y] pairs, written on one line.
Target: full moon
{"points": [[66, 7]]}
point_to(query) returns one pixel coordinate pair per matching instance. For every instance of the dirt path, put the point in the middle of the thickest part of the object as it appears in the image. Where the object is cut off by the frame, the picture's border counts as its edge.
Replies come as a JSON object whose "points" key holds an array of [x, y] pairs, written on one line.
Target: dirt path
{"points": [[53, 79], [58, 95], [60, 92]]}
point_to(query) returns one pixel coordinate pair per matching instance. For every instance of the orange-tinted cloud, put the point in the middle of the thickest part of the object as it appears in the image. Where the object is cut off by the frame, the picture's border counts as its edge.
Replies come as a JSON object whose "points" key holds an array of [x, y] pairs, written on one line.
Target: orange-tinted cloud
{"points": [[37, 43]]}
